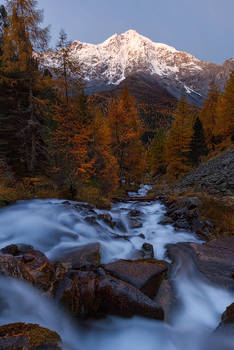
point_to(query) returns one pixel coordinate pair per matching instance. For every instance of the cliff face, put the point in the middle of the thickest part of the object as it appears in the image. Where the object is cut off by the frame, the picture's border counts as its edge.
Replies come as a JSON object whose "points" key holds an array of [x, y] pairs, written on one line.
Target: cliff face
{"points": [[108, 64]]}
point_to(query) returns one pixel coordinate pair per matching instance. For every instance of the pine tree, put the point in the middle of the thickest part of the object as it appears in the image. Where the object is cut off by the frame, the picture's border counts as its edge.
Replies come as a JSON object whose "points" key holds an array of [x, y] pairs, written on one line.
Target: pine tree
{"points": [[178, 141], [208, 115], [67, 71], [126, 131], [225, 112], [198, 143]]}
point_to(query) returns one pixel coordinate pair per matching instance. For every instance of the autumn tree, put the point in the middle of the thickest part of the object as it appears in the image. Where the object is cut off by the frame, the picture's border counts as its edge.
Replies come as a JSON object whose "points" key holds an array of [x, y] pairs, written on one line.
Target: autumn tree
{"points": [[208, 115], [198, 147], [157, 152], [178, 140], [21, 82], [126, 132], [225, 112], [105, 167], [69, 147]]}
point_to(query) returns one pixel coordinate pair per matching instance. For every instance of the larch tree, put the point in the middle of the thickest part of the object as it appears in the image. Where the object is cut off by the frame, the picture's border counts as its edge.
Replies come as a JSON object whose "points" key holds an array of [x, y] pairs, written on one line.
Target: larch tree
{"points": [[126, 131], [66, 68], [178, 141], [21, 82], [71, 163], [208, 115], [225, 112], [157, 152], [105, 167], [198, 147]]}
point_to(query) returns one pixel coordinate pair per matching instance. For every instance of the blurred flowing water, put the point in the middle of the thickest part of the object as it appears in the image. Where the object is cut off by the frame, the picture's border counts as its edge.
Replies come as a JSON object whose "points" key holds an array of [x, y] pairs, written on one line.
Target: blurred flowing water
{"points": [[53, 226]]}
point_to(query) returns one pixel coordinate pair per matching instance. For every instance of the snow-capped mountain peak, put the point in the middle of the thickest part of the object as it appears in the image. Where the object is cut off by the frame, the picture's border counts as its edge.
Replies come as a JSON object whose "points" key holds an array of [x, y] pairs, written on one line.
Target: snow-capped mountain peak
{"points": [[107, 64]]}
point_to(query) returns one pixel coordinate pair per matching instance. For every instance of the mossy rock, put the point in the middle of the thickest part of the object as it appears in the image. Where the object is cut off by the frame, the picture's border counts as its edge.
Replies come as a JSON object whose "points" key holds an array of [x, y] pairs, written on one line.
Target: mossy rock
{"points": [[32, 336]]}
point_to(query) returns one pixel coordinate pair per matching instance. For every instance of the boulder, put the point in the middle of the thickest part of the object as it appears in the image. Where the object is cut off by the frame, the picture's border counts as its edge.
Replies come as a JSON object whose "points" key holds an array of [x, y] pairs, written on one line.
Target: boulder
{"points": [[135, 224], [135, 213], [41, 269], [166, 221], [228, 315], [142, 274], [21, 336], [88, 254], [107, 219], [95, 293], [11, 267], [147, 251], [165, 298], [17, 249], [215, 259]]}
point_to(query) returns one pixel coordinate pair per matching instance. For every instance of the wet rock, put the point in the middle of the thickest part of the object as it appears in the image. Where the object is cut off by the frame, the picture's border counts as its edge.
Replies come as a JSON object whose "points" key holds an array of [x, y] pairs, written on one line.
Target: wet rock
{"points": [[135, 213], [91, 220], [215, 259], [11, 267], [193, 202], [107, 218], [166, 221], [41, 269], [228, 315], [97, 294], [141, 235], [77, 257], [21, 336], [182, 224], [17, 249], [135, 224], [165, 298], [147, 251], [142, 274]]}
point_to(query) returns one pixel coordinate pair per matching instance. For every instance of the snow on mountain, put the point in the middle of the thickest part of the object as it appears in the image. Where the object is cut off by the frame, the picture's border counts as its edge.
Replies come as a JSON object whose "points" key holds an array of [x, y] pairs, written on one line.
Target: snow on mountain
{"points": [[121, 55], [107, 64]]}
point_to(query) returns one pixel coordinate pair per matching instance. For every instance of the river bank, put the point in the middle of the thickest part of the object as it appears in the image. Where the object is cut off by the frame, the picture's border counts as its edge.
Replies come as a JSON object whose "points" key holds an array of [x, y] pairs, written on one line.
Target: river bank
{"points": [[122, 262]]}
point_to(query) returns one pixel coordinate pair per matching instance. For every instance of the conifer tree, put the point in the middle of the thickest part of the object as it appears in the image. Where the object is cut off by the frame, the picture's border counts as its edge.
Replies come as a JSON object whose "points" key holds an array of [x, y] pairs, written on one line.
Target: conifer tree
{"points": [[21, 82], [178, 141], [67, 71], [208, 115], [105, 167], [69, 146], [198, 143], [156, 152], [225, 112], [126, 131]]}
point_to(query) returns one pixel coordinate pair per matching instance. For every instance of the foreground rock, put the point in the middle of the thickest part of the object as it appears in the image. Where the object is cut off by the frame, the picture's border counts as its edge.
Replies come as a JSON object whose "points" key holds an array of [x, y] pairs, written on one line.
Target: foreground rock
{"points": [[142, 274], [84, 255], [84, 287], [96, 293], [31, 266], [227, 324], [21, 336], [215, 259]]}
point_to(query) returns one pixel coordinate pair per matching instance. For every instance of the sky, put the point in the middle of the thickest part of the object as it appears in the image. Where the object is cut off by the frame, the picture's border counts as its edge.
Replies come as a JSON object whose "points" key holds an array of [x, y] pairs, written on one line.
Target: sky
{"points": [[204, 28]]}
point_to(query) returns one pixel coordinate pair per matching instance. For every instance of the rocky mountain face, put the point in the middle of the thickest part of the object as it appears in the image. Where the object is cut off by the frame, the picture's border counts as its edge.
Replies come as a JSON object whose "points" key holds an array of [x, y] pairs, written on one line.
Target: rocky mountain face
{"points": [[130, 54]]}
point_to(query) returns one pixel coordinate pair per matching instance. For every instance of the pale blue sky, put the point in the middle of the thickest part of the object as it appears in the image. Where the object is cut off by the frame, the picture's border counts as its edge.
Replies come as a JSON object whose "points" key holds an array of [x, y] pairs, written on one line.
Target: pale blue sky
{"points": [[204, 28]]}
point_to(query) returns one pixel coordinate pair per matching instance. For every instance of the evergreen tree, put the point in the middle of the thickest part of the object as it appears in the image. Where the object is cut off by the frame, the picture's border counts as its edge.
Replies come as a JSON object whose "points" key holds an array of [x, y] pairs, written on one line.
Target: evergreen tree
{"points": [[208, 115], [178, 141], [198, 143], [67, 71], [225, 112]]}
